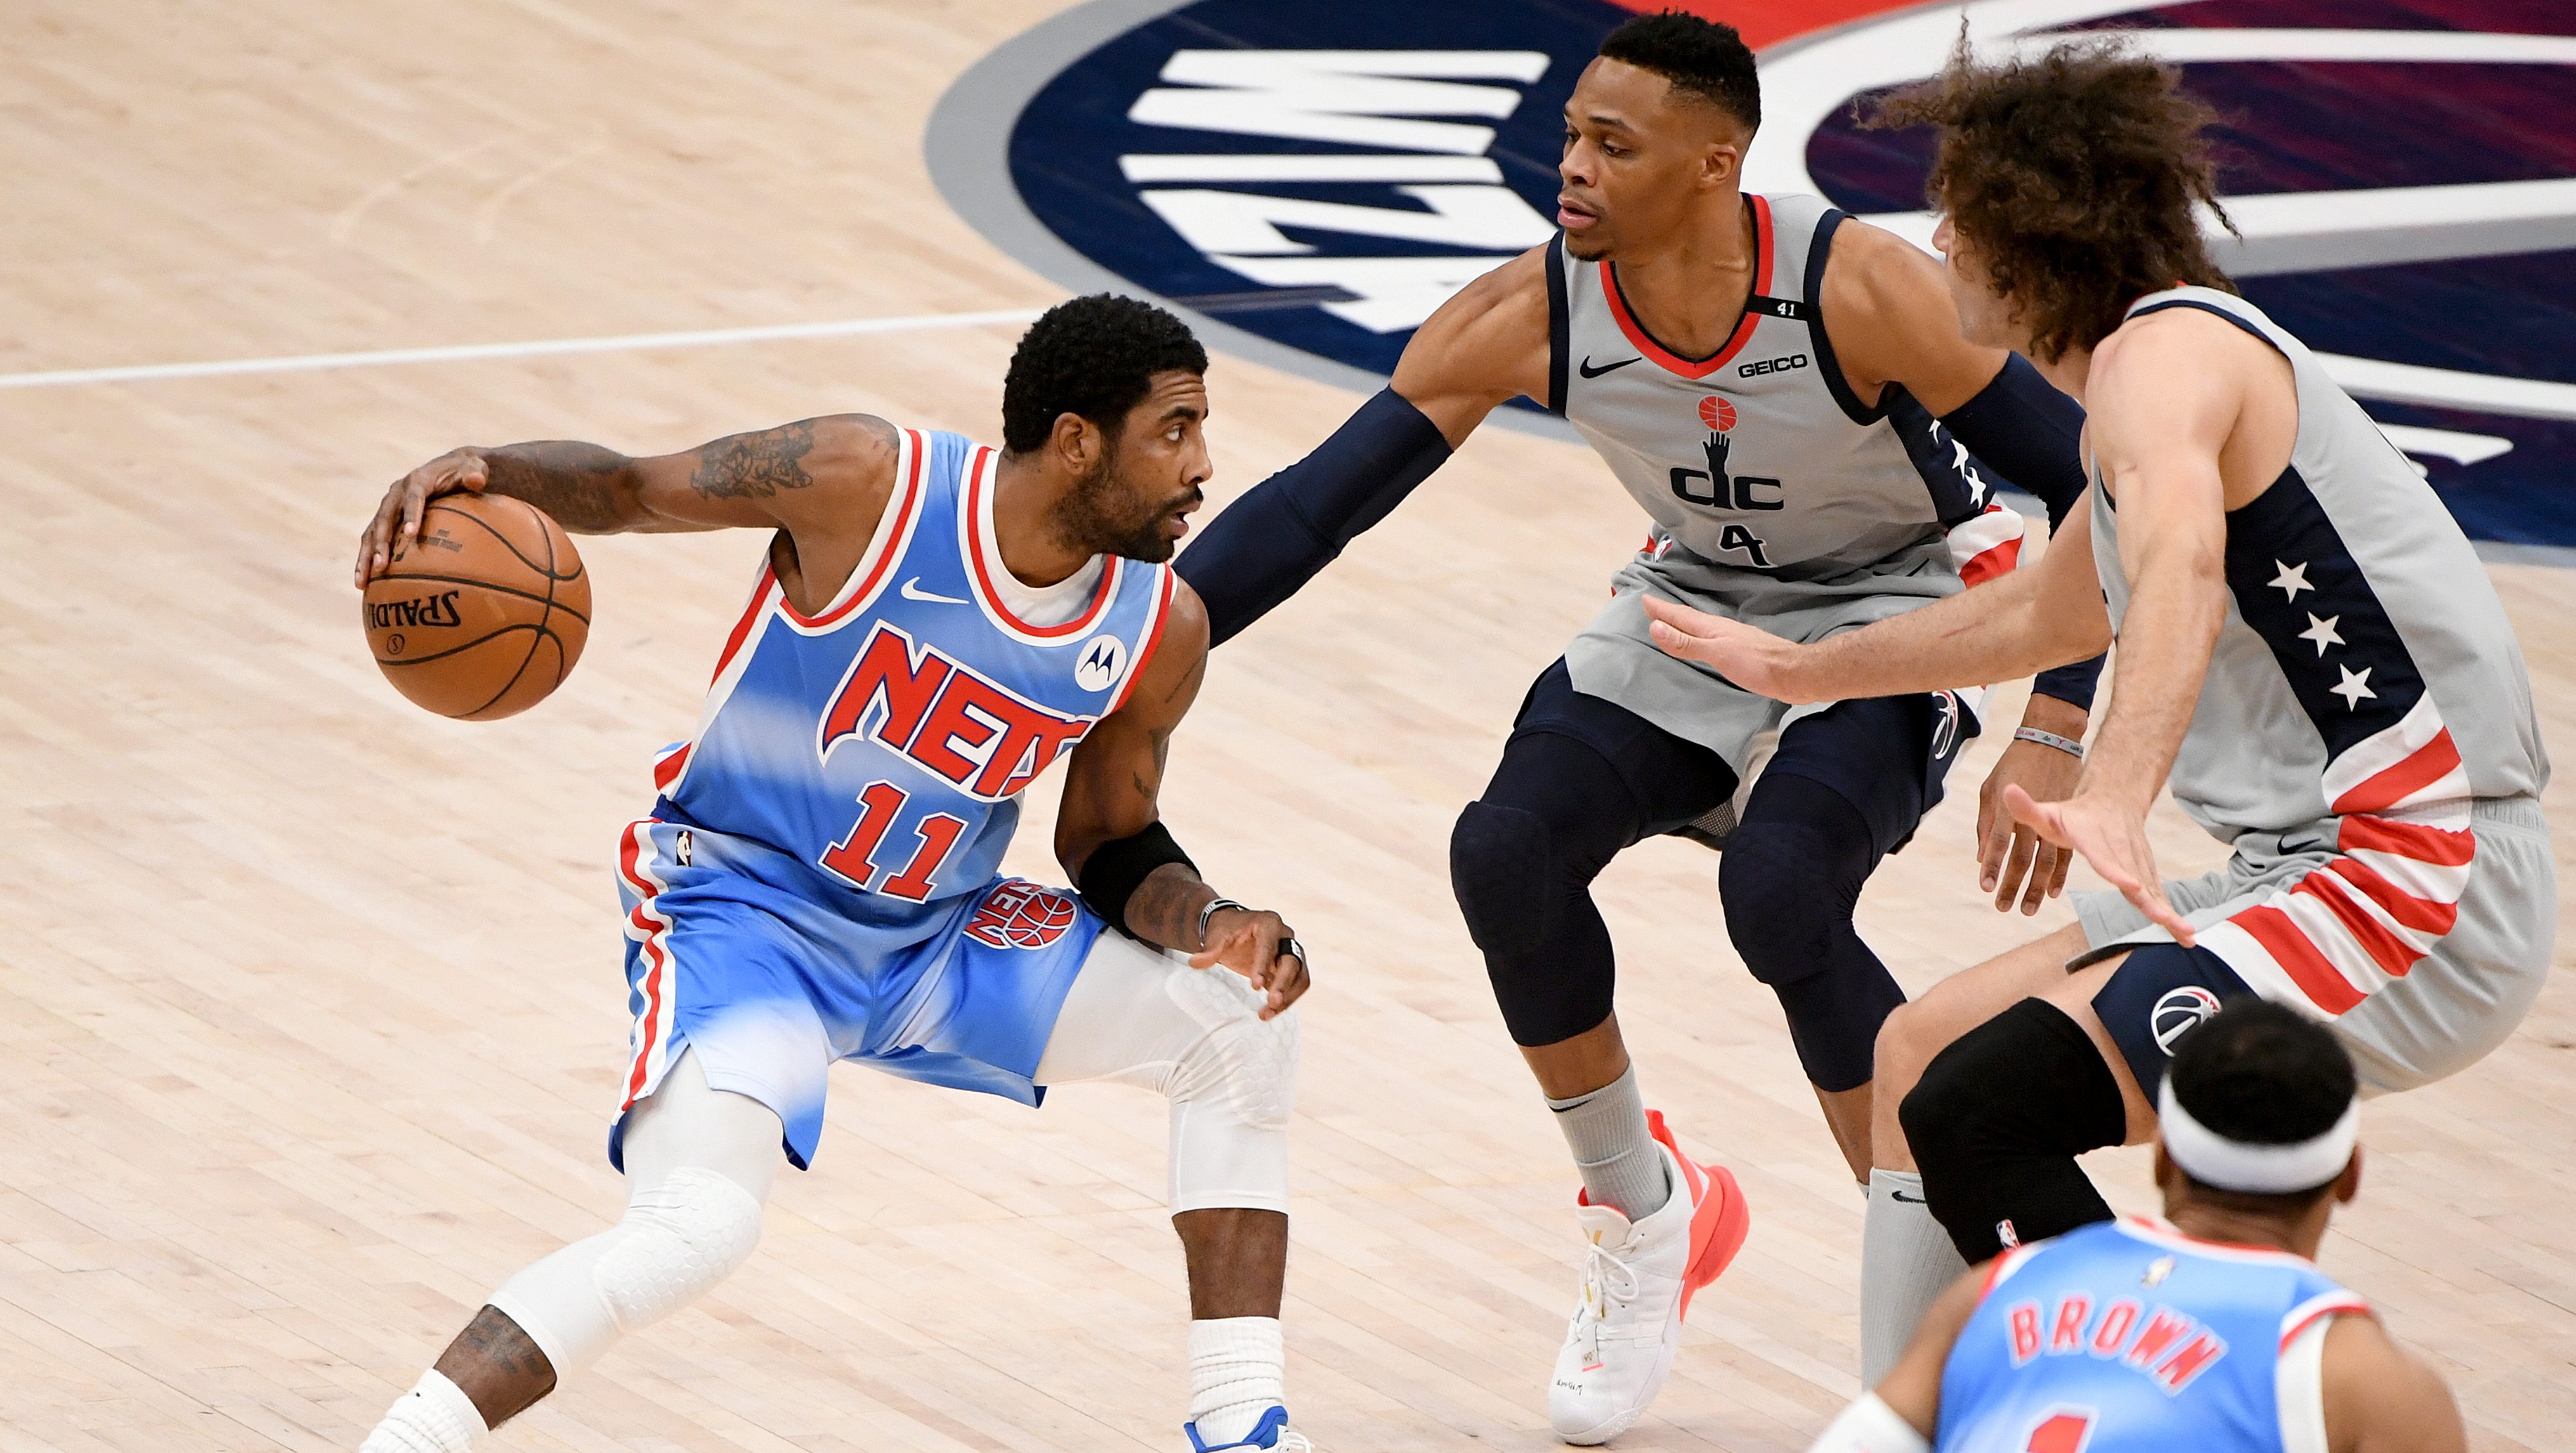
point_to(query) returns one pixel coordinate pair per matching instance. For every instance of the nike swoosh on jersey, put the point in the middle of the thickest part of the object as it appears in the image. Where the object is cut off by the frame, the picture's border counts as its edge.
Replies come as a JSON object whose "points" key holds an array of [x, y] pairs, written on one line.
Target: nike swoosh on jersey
{"points": [[912, 591], [1588, 371]]}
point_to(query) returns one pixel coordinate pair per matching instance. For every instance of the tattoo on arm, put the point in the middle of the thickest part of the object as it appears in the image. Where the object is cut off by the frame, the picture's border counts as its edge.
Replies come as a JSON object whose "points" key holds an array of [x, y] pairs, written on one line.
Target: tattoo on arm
{"points": [[1165, 907], [755, 466], [584, 486]]}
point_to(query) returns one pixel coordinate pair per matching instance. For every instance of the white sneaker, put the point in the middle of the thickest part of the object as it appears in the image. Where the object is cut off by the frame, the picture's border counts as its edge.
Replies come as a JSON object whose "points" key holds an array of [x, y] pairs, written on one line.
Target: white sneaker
{"points": [[1638, 1279]]}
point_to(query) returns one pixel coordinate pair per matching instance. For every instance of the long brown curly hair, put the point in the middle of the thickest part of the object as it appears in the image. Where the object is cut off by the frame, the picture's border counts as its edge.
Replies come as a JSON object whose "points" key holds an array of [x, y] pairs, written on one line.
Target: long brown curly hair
{"points": [[2075, 176]]}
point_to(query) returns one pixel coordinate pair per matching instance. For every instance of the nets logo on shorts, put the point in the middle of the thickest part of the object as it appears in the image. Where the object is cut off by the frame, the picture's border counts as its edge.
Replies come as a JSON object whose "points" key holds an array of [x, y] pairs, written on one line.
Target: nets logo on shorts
{"points": [[2178, 1013], [1308, 182], [1020, 914]]}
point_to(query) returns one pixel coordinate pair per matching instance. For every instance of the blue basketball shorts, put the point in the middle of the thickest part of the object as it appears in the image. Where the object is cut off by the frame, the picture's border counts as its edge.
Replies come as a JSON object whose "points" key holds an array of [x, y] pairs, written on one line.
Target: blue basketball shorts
{"points": [[769, 974]]}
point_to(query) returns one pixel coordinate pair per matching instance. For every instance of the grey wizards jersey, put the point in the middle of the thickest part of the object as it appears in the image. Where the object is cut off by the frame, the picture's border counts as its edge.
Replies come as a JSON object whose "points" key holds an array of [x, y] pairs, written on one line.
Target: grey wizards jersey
{"points": [[1777, 497], [2365, 664]]}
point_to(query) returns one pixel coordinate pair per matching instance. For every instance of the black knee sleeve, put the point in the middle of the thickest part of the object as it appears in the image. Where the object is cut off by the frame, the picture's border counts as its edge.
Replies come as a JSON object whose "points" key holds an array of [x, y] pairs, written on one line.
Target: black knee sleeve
{"points": [[1521, 861], [1996, 1125], [1789, 878]]}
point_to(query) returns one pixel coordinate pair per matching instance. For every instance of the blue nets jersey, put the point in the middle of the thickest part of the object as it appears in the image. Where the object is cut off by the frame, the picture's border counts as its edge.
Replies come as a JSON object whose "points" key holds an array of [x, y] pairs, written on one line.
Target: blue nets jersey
{"points": [[2128, 1336], [877, 749]]}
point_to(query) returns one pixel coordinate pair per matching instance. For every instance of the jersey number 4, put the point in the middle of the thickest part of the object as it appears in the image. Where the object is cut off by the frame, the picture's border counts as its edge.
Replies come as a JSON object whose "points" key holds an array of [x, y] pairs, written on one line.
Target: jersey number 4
{"points": [[853, 857], [2062, 1431]]}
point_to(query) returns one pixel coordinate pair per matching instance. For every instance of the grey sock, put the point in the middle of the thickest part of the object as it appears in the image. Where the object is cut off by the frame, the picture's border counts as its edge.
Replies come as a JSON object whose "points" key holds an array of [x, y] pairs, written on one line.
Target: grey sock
{"points": [[1622, 1166], [1906, 1262]]}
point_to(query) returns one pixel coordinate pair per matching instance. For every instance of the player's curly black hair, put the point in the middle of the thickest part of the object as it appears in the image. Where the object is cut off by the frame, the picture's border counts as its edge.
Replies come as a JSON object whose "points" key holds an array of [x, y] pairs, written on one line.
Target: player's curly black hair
{"points": [[2263, 1075], [1095, 357], [2075, 176], [1702, 58]]}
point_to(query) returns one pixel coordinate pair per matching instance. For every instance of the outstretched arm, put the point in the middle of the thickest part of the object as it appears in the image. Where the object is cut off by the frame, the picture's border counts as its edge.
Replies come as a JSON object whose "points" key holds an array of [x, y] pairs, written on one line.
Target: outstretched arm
{"points": [[1110, 838], [1483, 346], [815, 477], [2043, 616]]}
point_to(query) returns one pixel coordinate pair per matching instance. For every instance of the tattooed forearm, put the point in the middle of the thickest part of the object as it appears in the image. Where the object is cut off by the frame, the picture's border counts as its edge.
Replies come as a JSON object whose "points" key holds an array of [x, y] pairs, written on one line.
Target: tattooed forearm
{"points": [[755, 466], [589, 490], [1189, 681], [1164, 909]]}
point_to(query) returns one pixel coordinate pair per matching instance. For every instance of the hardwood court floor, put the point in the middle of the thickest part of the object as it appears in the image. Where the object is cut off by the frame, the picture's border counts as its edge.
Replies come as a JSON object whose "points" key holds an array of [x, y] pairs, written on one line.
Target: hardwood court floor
{"points": [[309, 1003]]}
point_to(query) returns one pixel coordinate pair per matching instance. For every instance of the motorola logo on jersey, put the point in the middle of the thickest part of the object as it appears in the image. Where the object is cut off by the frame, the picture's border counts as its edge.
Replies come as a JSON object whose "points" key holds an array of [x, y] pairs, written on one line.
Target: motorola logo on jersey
{"points": [[1311, 181], [2179, 1012], [1097, 666]]}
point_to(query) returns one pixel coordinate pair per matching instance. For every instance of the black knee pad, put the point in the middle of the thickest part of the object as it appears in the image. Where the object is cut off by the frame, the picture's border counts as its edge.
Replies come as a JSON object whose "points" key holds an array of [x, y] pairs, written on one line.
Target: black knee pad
{"points": [[1996, 1124], [1788, 881], [1498, 867]]}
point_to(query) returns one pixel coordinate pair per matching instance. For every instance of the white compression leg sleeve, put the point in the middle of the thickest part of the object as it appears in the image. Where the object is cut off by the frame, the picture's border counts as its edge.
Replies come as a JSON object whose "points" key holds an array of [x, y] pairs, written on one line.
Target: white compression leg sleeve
{"points": [[1906, 1261], [699, 1165], [1140, 1016]]}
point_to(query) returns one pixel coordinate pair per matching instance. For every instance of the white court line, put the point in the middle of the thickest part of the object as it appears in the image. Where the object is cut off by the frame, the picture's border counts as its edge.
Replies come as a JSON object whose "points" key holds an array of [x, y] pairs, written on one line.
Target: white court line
{"points": [[538, 348]]}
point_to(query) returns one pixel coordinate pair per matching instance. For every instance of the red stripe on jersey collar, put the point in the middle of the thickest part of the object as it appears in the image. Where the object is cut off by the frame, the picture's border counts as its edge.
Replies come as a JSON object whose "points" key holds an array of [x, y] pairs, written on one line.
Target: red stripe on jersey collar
{"points": [[978, 478], [1745, 322]]}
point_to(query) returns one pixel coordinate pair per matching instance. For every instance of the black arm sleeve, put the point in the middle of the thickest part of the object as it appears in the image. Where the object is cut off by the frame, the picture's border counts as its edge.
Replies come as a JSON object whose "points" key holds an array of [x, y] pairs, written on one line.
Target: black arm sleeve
{"points": [[1264, 546], [2028, 431]]}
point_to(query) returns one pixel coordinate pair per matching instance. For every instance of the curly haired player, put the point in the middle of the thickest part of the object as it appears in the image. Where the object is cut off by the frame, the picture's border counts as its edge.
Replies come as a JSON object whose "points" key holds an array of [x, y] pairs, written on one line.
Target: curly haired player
{"points": [[2309, 649], [938, 622]]}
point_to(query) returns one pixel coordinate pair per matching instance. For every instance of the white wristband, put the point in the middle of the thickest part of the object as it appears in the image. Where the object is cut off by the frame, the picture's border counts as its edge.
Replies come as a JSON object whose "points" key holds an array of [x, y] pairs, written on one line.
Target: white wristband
{"points": [[2068, 745], [1870, 1426]]}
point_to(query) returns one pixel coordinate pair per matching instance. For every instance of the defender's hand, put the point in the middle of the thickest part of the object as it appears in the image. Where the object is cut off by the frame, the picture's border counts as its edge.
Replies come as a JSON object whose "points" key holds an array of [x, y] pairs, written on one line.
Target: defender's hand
{"points": [[1248, 941], [1752, 658], [2009, 850], [398, 518], [2112, 836]]}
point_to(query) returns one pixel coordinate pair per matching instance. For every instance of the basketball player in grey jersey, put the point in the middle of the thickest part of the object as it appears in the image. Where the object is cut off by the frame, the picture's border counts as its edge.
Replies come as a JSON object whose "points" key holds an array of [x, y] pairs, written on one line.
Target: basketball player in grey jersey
{"points": [[1787, 395], [2310, 653]]}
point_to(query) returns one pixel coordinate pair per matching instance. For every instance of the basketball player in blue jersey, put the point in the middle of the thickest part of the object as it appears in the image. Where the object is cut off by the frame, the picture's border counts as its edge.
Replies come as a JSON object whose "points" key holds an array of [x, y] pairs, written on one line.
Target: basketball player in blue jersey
{"points": [[2311, 656], [1786, 394], [936, 623], [2210, 1330]]}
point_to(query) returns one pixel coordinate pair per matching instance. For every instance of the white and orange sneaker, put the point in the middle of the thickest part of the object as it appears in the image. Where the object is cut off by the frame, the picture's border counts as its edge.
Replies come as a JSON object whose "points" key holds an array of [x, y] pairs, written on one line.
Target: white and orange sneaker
{"points": [[1638, 1279]]}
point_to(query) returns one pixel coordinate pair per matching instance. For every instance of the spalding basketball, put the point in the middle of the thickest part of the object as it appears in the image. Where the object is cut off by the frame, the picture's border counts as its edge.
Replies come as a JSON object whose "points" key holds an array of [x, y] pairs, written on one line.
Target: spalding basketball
{"points": [[484, 613]]}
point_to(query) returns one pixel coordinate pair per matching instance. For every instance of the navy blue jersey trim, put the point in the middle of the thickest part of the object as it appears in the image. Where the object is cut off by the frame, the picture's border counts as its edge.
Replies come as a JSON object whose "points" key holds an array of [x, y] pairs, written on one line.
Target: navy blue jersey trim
{"points": [[1936, 460], [1817, 250], [2214, 311], [1559, 334], [2300, 589]]}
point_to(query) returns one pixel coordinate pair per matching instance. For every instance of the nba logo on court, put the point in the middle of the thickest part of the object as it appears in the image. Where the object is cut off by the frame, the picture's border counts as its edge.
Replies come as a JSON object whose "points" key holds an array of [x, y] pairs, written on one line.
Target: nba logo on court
{"points": [[1020, 914], [2178, 1013], [1101, 661]]}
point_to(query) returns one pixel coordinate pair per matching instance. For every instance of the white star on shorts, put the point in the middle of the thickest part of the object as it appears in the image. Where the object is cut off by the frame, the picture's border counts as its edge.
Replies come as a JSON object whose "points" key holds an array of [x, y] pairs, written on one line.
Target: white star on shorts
{"points": [[2354, 688], [2292, 580], [2322, 632]]}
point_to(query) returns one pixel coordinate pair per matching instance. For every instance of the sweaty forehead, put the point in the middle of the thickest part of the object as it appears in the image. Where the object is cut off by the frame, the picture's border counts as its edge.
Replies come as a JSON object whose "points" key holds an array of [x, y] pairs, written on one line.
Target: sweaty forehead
{"points": [[1615, 93]]}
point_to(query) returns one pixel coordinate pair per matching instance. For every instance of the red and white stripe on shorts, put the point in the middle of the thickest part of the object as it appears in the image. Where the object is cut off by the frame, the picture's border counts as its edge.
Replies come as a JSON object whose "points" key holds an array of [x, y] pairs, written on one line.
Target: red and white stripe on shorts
{"points": [[649, 926], [2362, 919], [1987, 545]]}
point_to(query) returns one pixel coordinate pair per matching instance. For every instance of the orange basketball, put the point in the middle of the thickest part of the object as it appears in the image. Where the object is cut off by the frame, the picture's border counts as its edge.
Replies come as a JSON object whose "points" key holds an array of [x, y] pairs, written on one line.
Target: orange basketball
{"points": [[484, 613]]}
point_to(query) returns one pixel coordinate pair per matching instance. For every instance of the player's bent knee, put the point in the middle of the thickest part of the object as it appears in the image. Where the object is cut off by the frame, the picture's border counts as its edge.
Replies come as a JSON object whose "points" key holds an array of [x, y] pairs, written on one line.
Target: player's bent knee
{"points": [[1231, 1095], [678, 1240], [1779, 900], [1498, 866]]}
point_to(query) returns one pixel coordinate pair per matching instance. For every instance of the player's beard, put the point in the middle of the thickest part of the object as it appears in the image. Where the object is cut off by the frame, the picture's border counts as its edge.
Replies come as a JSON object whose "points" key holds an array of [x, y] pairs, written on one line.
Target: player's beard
{"points": [[1106, 515]]}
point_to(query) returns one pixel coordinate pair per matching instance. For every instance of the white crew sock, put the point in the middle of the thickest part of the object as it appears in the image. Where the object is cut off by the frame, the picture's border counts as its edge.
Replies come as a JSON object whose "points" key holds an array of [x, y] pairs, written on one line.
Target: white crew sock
{"points": [[1238, 1371], [1906, 1261], [434, 1417]]}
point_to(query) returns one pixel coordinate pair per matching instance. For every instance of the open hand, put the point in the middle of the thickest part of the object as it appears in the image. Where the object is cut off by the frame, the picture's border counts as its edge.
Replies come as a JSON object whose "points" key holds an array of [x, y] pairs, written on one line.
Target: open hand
{"points": [[1752, 658], [1251, 941], [2010, 851], [397, 519], [2112, 836]]}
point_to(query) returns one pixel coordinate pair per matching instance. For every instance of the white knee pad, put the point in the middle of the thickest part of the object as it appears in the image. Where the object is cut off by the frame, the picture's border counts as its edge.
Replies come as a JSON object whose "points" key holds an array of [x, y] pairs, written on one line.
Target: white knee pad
{"points": [[679, 1239], [1231, 1096]]}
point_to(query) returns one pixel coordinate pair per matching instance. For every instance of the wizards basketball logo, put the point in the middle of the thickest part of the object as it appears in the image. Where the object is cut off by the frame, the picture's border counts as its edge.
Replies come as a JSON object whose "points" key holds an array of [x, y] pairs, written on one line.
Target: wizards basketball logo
{"points": [[1309, 182]]}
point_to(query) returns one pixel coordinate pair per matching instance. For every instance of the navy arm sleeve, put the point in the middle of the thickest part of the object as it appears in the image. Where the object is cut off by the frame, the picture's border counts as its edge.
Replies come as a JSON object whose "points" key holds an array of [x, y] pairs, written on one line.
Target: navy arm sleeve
{"points": [[2028, 431], [1264, 546]]}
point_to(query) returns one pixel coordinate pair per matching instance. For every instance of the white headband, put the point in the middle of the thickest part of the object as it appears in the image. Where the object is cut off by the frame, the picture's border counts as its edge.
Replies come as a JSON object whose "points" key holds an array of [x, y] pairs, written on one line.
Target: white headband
{"points": [[2235, 1165]]}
